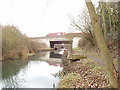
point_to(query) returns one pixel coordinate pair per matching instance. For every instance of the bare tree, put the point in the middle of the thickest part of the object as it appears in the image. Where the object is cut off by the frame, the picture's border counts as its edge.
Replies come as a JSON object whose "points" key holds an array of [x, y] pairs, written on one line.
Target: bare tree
{"points": [[102, 44], [83, 24]]}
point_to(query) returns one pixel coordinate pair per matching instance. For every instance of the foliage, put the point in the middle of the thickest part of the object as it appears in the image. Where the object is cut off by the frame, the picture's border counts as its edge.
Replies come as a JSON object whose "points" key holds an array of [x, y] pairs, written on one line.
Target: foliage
{"points": [[83, 24], [102, 45], [35, 46], [76, 48], [86, 73], [108, 17], [14, 43], [12, 40]]}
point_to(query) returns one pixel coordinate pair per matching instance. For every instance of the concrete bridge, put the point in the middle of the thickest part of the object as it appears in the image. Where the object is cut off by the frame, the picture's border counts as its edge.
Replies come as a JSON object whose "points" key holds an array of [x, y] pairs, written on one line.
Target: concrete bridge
{"points": [[50, 41]]}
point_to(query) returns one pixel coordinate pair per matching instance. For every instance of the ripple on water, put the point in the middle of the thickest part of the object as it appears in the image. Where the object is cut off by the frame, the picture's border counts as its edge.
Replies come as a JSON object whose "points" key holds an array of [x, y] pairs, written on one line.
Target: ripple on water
{"points": [[36, 74]]}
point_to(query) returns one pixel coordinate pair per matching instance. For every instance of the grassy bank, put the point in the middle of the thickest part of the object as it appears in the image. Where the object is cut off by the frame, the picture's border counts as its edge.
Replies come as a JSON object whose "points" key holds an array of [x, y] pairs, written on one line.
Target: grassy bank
{"points": [[84, 74]]}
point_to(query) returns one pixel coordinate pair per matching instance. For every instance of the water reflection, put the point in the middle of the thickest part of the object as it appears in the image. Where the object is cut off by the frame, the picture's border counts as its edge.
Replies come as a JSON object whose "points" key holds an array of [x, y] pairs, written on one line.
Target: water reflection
{"points": [[51, 56], [11, 68], [32, 73], [55, 55]]}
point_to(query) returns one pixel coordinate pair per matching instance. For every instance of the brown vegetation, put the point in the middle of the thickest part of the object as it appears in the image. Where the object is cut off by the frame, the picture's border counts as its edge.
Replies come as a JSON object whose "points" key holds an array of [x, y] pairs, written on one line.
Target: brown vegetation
{"points": [[84, 74], [100, 28], [15, 44]]}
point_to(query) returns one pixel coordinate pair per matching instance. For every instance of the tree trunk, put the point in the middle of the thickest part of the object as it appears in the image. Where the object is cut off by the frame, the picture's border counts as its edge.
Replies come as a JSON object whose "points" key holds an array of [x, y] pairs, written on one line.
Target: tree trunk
{"points": [[102, 44], [103, 20], [118, 39]]}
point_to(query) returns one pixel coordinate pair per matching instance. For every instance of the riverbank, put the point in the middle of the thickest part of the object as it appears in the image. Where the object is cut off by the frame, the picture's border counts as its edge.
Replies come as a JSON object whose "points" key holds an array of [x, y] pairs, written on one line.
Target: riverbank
{"points": [[17, 56], [45, 49], [84, 73], [23, 53], [16, 44]]}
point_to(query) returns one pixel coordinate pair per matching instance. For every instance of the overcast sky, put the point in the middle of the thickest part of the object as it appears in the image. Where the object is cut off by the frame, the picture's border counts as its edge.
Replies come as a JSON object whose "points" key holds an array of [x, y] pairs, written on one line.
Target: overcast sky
{"points": [[39, 17]]}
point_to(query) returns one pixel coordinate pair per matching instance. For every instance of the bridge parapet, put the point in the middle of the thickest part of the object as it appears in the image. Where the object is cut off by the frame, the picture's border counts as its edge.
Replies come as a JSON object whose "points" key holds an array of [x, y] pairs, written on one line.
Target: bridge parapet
{"points": [[55, 39]]}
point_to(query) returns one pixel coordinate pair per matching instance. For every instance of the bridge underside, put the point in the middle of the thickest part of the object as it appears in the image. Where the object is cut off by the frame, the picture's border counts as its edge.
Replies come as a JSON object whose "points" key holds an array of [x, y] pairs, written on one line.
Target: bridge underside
{"points": [[52, 43]]}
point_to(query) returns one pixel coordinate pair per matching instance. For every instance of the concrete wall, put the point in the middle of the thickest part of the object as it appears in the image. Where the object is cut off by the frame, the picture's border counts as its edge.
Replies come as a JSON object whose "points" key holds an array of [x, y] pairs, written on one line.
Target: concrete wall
{"points": [[75, 42], [46, 41], [45, 56]]}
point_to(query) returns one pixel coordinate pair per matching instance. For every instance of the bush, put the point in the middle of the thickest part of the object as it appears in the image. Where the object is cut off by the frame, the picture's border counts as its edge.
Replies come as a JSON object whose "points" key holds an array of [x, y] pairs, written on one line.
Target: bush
{"points": [[14, 43]]}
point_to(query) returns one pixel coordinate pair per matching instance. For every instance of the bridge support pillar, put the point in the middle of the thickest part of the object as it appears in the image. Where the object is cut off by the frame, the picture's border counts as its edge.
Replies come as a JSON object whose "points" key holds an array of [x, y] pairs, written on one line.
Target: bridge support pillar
{"points": [[75, 42], [46, 41]]}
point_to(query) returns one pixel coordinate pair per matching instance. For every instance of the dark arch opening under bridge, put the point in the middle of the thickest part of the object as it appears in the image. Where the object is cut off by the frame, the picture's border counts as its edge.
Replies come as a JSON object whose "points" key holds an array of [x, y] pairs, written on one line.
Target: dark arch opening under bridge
{"points": [[52, 43]]}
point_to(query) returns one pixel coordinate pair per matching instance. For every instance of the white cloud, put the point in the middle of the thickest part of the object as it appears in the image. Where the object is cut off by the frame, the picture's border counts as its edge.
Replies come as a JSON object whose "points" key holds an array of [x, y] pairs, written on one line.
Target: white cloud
{"points": [[39, 17]]}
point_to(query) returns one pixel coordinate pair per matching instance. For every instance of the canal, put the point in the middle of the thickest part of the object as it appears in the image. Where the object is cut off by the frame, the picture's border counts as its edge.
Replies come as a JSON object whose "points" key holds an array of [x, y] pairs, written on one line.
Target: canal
{"points": [[32, 72]]}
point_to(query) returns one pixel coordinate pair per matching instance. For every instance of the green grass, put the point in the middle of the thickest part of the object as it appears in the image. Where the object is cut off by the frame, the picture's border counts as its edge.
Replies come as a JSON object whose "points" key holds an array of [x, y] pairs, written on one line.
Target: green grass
{"points": [[70, 80], [76, 48]]}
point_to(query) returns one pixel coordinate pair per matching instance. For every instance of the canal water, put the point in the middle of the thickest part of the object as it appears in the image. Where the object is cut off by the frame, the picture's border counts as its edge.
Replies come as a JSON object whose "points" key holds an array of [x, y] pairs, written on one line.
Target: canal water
{"points": [[32, 72]]}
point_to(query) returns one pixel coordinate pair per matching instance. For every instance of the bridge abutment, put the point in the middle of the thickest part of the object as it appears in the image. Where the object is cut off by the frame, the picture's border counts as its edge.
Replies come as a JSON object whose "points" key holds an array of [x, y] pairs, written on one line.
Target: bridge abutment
{"points": [[75, 42], [46, 41]]}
